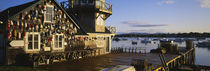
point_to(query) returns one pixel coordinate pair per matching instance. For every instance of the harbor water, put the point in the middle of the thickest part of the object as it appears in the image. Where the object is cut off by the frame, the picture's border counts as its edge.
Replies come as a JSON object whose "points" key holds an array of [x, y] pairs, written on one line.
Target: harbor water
{"points": [[202, 53]]}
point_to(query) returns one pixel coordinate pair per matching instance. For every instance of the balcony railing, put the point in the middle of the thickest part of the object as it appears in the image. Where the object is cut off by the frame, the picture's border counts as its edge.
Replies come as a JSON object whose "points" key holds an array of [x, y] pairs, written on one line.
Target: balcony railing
{"points": [[111, 29], [97, 4], [103, 6]]}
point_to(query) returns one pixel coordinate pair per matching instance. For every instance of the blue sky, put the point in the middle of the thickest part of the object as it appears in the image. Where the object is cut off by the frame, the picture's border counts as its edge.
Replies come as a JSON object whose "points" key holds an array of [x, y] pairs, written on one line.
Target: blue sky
{"points": [[152, 16]]}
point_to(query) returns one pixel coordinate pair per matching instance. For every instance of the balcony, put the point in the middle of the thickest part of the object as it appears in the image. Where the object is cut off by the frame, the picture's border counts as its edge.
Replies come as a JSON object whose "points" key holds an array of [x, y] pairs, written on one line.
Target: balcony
{"points": [[103, 6], [97, 5]]}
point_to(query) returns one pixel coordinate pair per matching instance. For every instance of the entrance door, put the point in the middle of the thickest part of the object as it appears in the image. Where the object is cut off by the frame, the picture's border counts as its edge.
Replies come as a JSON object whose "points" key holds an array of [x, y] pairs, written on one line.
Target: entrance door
{"points": [[107, 44], [2, 48]]}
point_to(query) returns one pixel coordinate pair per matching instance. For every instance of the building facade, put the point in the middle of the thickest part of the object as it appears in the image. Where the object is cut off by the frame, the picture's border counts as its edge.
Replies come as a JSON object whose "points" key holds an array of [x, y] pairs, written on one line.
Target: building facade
{"points": [[92, 15], [42, 30]]}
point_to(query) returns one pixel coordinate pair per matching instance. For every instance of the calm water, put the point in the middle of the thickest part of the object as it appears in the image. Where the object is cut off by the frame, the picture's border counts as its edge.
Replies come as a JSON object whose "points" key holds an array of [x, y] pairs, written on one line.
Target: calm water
{"points": [[202, 54]]}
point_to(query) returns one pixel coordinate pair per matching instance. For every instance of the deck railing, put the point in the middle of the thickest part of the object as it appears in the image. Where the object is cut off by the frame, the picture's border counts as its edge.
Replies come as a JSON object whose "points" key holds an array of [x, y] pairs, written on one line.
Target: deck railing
{"points": [[129, 50]]}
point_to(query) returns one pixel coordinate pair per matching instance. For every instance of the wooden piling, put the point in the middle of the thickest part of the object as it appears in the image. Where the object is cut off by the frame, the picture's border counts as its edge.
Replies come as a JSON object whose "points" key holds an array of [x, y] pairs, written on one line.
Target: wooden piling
{"points": [[139, 50], [135, 50], [129, 50], [125, 50]]}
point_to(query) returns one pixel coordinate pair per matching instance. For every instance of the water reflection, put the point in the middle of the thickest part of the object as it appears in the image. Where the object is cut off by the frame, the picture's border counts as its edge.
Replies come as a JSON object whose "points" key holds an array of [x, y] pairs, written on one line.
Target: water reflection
{"points": [[202, 53]]}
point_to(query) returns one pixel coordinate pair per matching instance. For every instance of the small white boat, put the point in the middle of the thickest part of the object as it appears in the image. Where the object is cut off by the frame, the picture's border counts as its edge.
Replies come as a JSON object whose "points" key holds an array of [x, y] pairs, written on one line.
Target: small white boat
{"points": [[147, 40], [138, 38], [208, 39], [203, 44], [178, 40]]}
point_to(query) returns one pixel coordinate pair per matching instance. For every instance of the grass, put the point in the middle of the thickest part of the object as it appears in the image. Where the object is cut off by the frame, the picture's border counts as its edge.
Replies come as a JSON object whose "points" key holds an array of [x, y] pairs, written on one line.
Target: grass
{"points": [[20, 68]]}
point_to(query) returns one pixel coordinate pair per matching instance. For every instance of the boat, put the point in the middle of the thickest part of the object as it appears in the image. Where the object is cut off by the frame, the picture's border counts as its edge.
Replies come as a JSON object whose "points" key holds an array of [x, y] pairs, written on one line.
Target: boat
{"points": [[156, 39], [116, 39], [134, 42], [203, 44], [207, 39], [178, 40], [138, 38], [147, 40], [124, 39], [164, 39]]}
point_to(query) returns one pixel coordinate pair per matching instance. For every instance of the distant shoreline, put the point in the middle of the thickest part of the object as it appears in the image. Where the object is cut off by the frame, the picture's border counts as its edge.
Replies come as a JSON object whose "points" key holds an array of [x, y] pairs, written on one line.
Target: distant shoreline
{"points": [[184, 35]]}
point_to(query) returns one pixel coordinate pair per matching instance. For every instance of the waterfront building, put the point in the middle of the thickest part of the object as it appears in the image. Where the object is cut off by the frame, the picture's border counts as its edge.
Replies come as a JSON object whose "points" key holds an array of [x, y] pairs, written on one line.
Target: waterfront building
{"points": [[42, 31]]}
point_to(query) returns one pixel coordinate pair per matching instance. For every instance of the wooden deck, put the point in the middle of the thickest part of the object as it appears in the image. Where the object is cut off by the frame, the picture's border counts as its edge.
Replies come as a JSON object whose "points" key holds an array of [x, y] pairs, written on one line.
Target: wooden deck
{"points": [[105, 61]]}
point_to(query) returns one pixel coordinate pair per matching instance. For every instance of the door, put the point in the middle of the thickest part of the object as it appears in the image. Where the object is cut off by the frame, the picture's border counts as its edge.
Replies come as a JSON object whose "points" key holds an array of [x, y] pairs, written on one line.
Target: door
{"points": [[107, 44], [2, 48]]}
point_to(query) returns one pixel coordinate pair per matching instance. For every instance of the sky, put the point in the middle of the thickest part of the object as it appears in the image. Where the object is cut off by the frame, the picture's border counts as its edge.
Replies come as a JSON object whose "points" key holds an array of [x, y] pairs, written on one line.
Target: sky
{"points": [[152, 16]]}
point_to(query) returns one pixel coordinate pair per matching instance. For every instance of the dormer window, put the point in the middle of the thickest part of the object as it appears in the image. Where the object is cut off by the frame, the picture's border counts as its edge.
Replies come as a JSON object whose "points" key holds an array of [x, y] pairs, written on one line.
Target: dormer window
{"points": [[49, 14]]}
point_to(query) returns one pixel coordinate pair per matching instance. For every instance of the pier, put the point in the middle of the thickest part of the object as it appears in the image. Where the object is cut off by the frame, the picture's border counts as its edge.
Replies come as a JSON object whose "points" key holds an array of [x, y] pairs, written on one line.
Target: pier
{"points": [[137, 57], [131, 57], [186, 57]]}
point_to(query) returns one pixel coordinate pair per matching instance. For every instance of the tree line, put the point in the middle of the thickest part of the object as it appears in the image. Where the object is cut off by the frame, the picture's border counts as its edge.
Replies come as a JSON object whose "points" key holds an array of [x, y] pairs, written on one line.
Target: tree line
{"points": [[191, 34]]}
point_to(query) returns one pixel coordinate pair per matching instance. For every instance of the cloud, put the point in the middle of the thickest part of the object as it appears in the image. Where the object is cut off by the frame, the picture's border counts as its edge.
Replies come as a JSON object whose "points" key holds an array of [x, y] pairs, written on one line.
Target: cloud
{"points": [[142, 24], [166, 2], [205, 3], [147, 30]]}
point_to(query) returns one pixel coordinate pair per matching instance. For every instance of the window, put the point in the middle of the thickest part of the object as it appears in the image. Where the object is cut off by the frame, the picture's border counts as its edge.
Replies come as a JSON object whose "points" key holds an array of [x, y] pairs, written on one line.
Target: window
{"points": [[85, 1], [49, 14], [58, 41], [33, 40], [30, 41]]}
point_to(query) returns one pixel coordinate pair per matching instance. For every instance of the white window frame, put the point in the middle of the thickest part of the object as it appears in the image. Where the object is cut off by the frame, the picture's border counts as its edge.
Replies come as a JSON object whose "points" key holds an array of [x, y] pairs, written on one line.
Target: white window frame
{"points": [[54, 37], [45, 14], [27, 42]]}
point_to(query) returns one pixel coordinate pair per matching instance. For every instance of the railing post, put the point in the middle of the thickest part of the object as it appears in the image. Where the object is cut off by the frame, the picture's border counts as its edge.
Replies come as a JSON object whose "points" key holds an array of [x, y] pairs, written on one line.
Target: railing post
{"points": [[129, 50], [140, 50], [118, 50], [121, 50], [145, 51], [136, 50], [112, 50], [99, 53], [94, 52], [125, 51], [115, 50]]}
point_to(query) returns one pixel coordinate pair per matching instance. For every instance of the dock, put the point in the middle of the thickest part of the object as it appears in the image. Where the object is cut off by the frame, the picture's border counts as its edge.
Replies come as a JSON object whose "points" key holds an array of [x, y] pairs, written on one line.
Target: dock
{"points": [[173, 58], [105, 61]]}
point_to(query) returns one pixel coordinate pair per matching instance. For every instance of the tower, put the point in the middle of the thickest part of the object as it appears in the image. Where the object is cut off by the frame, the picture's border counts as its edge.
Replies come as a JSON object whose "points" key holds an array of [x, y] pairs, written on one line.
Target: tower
{"points": [[90, 13]]}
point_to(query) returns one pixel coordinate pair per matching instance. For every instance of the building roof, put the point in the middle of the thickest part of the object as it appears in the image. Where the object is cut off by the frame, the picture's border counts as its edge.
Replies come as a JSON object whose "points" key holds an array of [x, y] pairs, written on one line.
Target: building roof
{"points": [[13, 12]]}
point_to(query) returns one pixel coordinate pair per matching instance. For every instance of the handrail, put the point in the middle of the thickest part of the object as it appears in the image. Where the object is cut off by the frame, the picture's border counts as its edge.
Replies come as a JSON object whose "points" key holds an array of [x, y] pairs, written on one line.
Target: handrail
{"points": [[111, 29], [103, 5]]}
